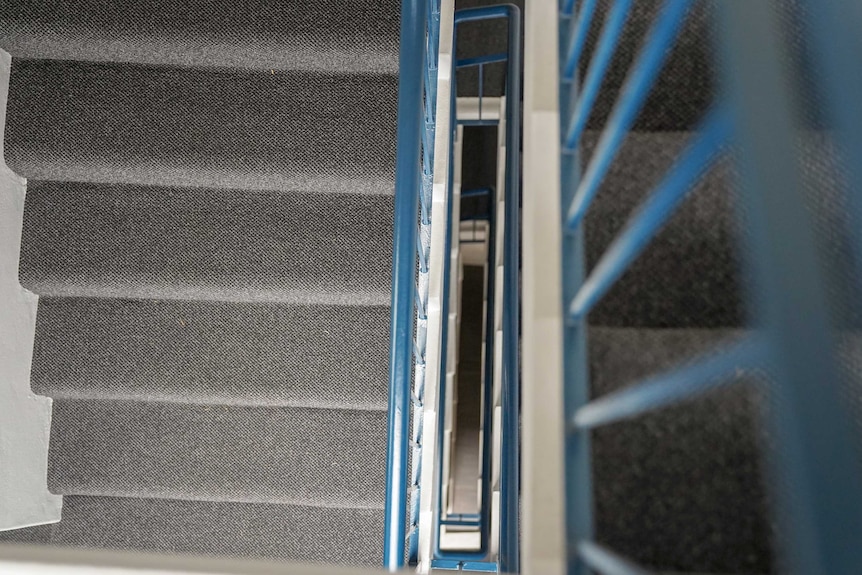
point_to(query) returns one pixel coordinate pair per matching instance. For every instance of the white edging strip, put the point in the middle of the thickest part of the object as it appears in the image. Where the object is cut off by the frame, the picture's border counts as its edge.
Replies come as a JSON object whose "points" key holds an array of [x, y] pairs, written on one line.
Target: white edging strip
{"points": [[542, 491]]}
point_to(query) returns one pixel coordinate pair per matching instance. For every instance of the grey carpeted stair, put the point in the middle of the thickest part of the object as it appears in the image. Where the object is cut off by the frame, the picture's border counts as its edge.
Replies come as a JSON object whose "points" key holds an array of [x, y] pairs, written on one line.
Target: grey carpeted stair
{"points": [[333, 35], [272, 531], [212, 353], [201, 127], [320, 457], [116, 240], [680, 489], [209, 223]]}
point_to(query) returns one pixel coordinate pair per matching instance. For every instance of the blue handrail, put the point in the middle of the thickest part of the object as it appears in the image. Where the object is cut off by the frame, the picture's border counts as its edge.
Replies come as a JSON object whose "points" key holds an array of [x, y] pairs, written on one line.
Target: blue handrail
{"points": [[412, 131], [816, 457], [701, 376]]}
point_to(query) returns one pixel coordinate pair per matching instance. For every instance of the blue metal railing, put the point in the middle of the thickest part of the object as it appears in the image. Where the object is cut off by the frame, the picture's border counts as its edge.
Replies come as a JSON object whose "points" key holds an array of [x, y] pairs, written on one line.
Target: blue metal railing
{"points": [[792, 335], [420, 22]]}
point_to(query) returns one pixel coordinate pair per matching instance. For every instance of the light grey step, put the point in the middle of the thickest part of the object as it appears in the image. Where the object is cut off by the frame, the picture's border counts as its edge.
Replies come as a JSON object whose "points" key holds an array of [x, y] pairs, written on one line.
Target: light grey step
{"points": [[355, 36], [100, 240], [149, 125], [212, 353], [265, 531], [318, 457], [680, 489]]}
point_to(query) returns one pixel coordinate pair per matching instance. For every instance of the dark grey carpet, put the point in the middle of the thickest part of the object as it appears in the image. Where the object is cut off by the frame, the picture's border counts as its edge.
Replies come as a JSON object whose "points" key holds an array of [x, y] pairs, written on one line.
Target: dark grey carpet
{"points": [[209, 220], [354, 36], [688, 276], [322, 457], [241, 129], [212, 353], [100, 240], [682, 488], [292, 532]]}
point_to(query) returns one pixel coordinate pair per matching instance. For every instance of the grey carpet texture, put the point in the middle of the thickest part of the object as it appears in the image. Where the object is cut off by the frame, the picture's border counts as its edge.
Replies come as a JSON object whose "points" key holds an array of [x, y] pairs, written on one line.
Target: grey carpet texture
{"points": [[246, 129], [290, 532], [209, 224], [99, 240], [322, 457], [353, 36], [259, 354], [681, 489]]}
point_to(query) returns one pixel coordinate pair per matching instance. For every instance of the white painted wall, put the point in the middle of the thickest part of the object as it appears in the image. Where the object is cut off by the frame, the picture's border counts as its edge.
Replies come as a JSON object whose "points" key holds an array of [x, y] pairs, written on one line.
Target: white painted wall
{"points": [[25, 419]]}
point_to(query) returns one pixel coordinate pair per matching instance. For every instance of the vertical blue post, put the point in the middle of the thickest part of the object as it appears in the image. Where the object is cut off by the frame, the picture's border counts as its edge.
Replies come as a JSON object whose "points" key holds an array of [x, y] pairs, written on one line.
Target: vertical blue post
{"points": [[510, 468], [816, 470], [407, 186], [836, 44], [578, 481]]}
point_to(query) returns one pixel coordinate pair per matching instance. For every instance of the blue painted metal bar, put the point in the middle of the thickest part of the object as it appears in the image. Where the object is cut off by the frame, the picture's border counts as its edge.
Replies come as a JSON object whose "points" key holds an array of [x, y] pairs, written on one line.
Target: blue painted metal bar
{"points": [[476, 192], [444, 338], [420, 303], [578, 473], [836, 45], [634, 93], [510, 478], [484, 524], [589, 91], [481, 87], [449, 521], [605, 562], [567, 6], [446, 565], [488, 122], [815, 469], [713, 135], [407, 182], [578, 38], [480, 566], [462, 16], [423, 257], [710, 371], [491, 295], [482, 60]]}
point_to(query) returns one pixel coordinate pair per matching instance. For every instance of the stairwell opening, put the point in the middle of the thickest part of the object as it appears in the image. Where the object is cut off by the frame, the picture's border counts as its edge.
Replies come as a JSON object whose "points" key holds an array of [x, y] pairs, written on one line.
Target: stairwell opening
{"points": [[469, 466]]}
